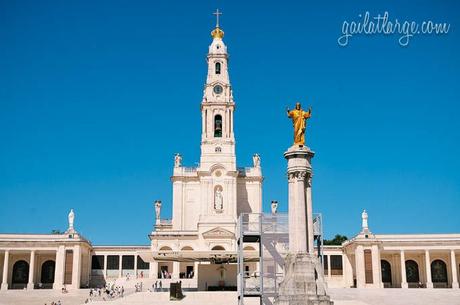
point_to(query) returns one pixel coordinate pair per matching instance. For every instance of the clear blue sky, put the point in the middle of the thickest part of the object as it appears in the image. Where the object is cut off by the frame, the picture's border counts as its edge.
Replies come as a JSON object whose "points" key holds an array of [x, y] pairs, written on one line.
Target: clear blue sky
{"points": [[97, 96]]}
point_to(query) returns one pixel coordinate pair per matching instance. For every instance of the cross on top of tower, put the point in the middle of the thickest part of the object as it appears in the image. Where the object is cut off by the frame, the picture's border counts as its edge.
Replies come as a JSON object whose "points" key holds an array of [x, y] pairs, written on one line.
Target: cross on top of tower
{"points": [[217, 13]]}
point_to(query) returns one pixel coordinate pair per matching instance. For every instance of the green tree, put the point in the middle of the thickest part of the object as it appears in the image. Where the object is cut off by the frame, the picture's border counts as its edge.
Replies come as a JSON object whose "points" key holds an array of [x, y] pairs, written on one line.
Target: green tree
{"points": [[336, 241]]}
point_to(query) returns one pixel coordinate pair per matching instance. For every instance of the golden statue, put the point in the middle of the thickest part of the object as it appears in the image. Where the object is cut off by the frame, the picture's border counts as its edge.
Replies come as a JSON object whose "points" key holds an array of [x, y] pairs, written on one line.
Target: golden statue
{"points": [[299, 118]]}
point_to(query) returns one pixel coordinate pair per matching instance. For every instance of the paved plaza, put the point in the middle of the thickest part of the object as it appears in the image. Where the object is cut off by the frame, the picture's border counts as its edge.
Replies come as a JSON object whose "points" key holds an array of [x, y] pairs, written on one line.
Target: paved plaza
{"points": [[341, 296]]}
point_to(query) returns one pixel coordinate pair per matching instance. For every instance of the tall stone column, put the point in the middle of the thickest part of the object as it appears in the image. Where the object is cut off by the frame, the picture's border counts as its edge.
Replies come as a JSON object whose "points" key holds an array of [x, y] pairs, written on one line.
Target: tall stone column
{"points": [[403, 271], [120, 266], [359, 265], [453, 263], [76, 267], [31, 283], [303, 281], [429, 283], [195, 269], [135, 265], [310, 241], [60, 267], [105, 266], [376, 268], [299, 174], [5, 270], [153, 270], [176, 270], [347, 271]]}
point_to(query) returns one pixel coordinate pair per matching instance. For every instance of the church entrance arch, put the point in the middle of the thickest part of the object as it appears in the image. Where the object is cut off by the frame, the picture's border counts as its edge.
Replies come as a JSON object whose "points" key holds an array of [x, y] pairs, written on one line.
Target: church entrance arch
{"points": [[439, 274], [386, 273], [412, 272], [47, 274], [20, 276]]}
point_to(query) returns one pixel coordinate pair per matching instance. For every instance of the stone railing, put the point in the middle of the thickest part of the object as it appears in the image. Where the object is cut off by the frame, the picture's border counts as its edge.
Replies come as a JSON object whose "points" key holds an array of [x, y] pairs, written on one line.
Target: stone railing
{"points": [[189, 169]]}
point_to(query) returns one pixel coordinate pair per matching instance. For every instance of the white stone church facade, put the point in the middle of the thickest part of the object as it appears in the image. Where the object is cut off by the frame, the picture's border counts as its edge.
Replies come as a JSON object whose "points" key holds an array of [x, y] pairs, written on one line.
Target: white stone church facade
{"points": [[207, 201]]}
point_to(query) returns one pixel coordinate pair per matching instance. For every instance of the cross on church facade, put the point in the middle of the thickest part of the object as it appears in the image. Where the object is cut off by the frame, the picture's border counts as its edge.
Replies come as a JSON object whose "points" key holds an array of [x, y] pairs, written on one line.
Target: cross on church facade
{"points": [[217, 13]]}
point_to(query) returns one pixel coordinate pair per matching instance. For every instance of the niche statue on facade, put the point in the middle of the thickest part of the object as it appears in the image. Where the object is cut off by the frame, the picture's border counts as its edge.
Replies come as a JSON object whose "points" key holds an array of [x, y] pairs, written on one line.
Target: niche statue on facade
{"points": [[218, 199]]}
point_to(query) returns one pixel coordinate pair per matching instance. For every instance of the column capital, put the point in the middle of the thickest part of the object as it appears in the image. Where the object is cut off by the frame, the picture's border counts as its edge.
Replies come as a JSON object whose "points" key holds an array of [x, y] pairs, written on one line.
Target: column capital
{"points": [[298, 175]]}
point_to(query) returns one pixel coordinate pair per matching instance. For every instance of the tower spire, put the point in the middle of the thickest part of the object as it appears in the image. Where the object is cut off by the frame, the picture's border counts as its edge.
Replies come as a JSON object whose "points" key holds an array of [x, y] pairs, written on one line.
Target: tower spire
{"points": [[217, 32], [217, 13]]}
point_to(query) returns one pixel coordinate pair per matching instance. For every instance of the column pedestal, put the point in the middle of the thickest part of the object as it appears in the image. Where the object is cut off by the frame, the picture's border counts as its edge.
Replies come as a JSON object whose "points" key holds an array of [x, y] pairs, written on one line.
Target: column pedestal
{"points": [[303, 282], [299, 286]]}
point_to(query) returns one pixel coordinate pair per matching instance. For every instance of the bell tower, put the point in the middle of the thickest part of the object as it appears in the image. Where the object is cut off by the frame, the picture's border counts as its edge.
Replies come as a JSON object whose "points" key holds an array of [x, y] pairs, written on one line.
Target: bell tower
{"points": [[217, 107]]}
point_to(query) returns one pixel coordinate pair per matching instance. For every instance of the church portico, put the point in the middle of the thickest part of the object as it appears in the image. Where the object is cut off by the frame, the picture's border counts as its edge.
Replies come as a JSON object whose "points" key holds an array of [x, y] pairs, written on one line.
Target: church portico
{"points": [[406, 260], [37, 267]]}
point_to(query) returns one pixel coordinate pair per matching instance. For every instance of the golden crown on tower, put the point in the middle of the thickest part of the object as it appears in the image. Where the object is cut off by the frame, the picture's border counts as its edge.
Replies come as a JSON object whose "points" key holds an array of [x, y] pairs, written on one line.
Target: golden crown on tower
{"points": [[217, 33]]}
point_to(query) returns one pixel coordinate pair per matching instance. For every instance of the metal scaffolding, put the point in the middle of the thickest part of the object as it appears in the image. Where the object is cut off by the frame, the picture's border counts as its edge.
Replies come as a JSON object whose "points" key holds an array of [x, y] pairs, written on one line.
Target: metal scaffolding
{"points": [[269, 234]]}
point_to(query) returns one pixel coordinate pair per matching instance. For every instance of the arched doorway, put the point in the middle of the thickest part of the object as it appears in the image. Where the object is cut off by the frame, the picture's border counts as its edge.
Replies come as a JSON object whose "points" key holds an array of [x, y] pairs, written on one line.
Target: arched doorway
{"points": [[439, 273], [47, 274], [20, 276], [386, 273], [412, 273]]}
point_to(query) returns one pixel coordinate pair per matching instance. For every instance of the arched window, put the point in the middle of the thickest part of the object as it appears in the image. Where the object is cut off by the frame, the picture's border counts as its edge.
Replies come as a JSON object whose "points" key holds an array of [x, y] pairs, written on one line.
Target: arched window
{"points": [[218, 126], [165, 248], [188, 248], [218, 248], [438, 271], [47, 276], [20, 272], [412, 275], [386, 271], [217, 67]]}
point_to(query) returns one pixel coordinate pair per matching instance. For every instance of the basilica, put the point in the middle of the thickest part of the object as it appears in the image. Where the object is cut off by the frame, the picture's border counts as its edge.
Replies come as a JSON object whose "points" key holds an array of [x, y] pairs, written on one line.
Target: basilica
{"points": [[199, 245]]}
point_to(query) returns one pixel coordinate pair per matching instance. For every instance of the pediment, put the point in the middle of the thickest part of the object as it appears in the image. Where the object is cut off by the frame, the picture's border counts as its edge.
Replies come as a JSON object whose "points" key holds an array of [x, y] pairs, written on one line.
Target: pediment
{"points": [[218, 233]]}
